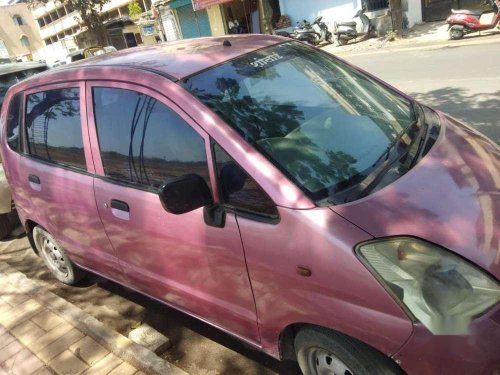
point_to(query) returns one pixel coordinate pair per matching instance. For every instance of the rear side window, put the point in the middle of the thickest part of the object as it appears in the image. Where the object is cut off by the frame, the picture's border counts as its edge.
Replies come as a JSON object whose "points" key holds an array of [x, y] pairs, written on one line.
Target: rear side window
{"points": [[13, 121], [53, 127], [142, 141]]}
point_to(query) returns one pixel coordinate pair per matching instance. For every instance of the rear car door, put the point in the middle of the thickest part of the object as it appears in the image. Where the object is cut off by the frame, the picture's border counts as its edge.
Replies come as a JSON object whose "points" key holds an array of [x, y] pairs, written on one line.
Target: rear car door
{"points": [[143, 139], [56, 175]]}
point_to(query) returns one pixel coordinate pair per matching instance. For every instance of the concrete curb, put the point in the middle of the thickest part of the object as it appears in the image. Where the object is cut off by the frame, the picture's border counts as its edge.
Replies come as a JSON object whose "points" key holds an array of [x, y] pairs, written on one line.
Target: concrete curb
{"points": [[137, 355], [416, 47]]}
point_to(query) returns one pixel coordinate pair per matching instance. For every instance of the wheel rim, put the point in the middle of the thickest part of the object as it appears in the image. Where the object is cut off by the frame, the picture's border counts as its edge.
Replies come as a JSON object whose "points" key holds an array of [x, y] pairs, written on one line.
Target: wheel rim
{"points": [[322, 362], [53, 255]]}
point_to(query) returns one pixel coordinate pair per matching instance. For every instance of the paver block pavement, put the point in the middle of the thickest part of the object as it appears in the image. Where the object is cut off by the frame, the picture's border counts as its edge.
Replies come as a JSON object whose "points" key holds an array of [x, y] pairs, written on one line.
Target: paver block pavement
{"points": [[50, 337], [10, 351], [67, 363], [105, 365], [5, 340], [23, 363], [88, 350], [124, 369], [20, 313], [27, 332], [60, 345], [47, 320]]}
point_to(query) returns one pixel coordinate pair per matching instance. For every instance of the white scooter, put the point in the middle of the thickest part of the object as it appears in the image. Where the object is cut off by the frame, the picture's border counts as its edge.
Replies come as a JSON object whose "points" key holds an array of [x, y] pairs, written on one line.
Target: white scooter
{"points": [[360, 27]]}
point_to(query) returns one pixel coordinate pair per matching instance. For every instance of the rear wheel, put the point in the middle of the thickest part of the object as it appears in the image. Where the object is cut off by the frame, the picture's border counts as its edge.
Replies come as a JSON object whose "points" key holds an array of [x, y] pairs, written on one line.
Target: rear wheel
{"points": [[55, 258], [323, 352], [342, 41], [456, 34]]}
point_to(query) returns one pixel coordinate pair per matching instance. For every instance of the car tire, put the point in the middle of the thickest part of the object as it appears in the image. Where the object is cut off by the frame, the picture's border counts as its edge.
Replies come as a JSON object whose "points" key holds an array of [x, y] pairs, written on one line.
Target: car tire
{"points": [[5, 226], [55, 258], [321, 351]]}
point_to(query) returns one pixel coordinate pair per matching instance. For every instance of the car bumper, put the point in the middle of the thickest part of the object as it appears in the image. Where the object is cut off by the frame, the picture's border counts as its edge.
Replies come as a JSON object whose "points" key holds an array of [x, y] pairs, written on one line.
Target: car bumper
{"points": [[476, 353]]}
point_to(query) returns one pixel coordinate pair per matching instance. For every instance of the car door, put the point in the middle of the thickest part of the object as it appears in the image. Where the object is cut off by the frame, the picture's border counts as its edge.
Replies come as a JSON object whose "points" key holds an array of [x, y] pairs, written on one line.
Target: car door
{"points": [[55, 174], [143, 139]]}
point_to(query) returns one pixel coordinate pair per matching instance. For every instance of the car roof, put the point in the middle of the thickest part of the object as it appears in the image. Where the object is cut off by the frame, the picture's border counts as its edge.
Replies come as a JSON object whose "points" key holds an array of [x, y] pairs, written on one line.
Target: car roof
{"points": [[17, 67], [182, 58]]}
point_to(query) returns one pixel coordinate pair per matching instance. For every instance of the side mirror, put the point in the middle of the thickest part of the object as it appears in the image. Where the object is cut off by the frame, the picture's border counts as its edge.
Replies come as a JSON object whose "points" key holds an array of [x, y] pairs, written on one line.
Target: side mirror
{"points": [[184, 194]]}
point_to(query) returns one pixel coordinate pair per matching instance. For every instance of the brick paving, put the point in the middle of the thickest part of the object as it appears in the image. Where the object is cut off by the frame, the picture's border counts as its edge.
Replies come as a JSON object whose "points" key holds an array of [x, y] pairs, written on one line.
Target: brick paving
{"points": [[42, 333], [37, 341]]}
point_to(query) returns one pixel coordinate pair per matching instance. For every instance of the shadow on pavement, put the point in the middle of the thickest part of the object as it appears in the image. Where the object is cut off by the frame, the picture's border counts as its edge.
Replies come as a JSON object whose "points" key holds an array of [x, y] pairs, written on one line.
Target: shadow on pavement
{"points": [[481, 111]]}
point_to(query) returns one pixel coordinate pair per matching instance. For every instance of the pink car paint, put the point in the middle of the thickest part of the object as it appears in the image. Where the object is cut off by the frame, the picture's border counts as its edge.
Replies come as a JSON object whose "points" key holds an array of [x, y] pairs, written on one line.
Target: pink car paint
{"points": [[244, 278]]}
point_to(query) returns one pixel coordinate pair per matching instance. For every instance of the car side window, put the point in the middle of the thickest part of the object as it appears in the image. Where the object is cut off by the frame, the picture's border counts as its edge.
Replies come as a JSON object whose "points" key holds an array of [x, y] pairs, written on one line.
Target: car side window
{"points": [[13, 121], [144, 142], [239, 190], [54, 128]]}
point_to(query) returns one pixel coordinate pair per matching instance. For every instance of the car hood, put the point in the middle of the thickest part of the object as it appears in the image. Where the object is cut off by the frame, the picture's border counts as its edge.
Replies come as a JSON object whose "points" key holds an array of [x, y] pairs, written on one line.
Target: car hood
{"points": [[451, 198]]}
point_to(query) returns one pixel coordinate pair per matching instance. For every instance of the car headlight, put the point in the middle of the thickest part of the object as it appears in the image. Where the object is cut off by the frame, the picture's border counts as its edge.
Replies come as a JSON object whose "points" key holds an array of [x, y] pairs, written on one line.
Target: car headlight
{"points": [[443, 291]]}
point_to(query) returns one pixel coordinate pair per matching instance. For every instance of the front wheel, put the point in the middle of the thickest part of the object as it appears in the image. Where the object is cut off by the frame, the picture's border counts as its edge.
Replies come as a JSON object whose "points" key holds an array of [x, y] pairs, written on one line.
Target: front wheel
{"points": [[323, 352], [456, 34], [55, 258], [342, 41]]}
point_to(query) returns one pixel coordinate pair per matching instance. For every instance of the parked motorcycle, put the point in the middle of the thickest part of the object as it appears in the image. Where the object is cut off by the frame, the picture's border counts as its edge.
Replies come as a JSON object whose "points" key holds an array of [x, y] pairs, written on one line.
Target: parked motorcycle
{"points": [[314, 33], [358, 28], [465, 21]]}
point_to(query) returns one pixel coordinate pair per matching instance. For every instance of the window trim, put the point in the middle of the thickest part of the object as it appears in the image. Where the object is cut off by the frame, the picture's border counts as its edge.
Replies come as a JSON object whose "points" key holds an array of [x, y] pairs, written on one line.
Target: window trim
{"points": [[20, 120], [94, 138], [247, 214], [83, 123]]}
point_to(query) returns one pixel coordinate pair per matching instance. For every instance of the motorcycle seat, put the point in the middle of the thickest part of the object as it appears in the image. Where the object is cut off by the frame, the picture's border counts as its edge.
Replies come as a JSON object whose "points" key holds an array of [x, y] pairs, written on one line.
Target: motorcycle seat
{"points": [[477, 13], [348, 23]]}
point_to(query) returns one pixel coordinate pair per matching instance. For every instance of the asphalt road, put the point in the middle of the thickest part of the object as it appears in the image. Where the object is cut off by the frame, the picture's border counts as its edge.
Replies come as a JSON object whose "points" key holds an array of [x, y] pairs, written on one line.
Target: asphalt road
{"points": [[463, 81]]}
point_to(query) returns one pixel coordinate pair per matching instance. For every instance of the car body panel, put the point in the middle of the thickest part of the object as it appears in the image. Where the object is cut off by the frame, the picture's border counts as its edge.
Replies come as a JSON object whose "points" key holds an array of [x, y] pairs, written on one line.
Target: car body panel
{"points": [[451, 198]]}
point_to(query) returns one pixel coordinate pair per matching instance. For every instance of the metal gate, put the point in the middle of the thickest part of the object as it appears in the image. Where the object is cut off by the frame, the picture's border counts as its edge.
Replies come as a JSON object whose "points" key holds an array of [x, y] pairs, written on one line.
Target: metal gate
{"points": [[193, 24]]}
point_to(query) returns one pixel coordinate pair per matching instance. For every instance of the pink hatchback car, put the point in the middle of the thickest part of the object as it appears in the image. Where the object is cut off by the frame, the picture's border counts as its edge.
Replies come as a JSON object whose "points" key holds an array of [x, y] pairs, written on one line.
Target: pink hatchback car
{"points": [[273, 191]]}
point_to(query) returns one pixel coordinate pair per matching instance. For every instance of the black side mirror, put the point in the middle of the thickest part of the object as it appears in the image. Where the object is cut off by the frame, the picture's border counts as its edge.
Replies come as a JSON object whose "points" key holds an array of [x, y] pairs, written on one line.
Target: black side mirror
{"points": [[184, 194]]}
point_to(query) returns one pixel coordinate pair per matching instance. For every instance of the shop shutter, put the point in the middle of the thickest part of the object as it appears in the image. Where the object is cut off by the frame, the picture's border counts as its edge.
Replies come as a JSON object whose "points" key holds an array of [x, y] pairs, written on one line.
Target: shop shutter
{"points": [[193, 24]]}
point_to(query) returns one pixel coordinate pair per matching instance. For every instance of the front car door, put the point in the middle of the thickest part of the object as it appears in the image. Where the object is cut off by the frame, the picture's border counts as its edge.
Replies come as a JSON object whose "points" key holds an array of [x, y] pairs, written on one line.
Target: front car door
{"points": [[143, 139]]}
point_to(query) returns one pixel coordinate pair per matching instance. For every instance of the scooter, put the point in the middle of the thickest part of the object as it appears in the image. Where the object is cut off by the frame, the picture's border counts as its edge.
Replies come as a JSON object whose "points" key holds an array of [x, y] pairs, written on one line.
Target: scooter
{"points": [[313, 33], [360, 27], [465, 21]]}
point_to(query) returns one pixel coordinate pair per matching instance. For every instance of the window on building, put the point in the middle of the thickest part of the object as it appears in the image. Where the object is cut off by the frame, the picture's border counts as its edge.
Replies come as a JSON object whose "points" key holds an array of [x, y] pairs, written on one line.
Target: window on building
{"points": [[18, 20], [25, 41], [142, 141], [53, 39], [238, 189], [69, 8], [53, 127], [47, 42], [41, 22], [372, 5]]}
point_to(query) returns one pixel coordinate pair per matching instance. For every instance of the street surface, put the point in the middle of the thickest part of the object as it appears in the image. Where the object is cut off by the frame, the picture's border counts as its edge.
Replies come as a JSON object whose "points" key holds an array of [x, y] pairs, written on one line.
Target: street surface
{"points": [[463, 81]]}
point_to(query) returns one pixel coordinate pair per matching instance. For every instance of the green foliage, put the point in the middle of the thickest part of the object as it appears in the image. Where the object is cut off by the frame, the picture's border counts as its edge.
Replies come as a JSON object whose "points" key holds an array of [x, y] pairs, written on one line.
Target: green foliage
{"points": [[391, 36], [134, 9]]}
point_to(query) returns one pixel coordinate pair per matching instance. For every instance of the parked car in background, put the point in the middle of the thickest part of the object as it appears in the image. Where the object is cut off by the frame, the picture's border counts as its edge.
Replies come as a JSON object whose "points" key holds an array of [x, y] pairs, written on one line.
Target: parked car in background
{"points": [[10, 74], [273, 191]]}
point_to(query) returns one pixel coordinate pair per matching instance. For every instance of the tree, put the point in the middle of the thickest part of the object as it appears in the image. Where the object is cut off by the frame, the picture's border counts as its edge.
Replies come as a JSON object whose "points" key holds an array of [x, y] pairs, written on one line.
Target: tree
{"points": [[134, 9], [397, 16], [90, 14]]}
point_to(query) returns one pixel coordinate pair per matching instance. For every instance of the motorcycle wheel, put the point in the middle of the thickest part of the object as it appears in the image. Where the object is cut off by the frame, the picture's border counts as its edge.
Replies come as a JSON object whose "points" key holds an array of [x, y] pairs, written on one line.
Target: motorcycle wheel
{"points": [[456, 34]]}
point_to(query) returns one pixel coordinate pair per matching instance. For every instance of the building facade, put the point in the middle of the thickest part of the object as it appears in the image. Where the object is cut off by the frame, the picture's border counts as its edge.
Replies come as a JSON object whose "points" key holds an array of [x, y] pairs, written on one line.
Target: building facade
{"points": [[60, 28], [19, 37]]}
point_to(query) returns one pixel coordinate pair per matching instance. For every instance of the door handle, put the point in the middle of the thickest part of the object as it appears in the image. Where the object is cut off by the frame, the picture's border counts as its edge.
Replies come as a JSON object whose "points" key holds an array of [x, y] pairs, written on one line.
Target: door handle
{"points": [[119, 205], [34, 179]]}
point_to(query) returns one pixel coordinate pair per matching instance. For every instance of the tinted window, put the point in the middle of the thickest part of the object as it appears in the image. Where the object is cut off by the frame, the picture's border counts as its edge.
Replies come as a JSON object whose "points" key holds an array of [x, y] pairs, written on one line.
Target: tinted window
{"points": [[13, 121], [143, 141], [323, 123], [238, 189], [53, 127]]}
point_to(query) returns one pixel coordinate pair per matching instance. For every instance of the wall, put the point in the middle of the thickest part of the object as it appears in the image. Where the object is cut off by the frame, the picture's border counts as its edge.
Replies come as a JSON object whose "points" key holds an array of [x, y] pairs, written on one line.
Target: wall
{"points": [[11, 34], [414, 12], [216, 20], [331, 10]]}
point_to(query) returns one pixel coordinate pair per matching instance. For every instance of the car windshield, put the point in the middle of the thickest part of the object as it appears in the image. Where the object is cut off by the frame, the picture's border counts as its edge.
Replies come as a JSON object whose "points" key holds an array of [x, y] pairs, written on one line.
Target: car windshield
{"points": [[326, 125]]}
